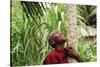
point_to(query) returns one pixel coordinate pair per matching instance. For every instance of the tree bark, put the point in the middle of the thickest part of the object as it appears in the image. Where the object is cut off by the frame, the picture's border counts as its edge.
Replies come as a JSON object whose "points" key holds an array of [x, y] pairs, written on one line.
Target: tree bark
{"points": [[72, 28]]}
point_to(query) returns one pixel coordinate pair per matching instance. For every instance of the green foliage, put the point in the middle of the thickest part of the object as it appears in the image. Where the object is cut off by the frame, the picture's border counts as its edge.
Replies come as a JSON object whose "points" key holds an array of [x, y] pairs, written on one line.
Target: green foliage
{"points": [[31, 24], [87, 51], [86, 14], [30, 30]]}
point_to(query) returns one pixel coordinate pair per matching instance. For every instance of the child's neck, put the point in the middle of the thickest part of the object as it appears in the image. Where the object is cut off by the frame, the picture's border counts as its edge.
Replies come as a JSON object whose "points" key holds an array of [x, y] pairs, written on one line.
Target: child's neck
{"points": [[59, 49]]}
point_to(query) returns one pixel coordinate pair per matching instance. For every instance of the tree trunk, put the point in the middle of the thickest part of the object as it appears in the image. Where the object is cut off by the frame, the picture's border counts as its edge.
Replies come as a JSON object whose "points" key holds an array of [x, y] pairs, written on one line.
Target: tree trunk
{"points": [[72, 25], [72, 28]]}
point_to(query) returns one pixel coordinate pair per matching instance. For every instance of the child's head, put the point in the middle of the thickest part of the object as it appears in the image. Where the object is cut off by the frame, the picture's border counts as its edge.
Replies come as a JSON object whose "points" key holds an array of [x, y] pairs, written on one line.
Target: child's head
{"points": [[57, 40]]}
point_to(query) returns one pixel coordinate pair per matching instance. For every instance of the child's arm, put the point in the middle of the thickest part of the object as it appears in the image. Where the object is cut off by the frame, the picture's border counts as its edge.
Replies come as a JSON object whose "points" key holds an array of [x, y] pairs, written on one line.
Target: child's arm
{"points": [[71, 52]]}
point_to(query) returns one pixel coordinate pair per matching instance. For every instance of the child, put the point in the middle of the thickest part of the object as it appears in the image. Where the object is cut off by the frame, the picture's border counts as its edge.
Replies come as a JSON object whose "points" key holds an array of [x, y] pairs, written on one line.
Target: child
{"points": [[59, 54]]}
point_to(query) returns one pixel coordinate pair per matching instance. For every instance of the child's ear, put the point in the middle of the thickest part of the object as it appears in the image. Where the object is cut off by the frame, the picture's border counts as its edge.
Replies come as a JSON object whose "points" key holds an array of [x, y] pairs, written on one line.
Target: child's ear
{"points": [[52, 41]]}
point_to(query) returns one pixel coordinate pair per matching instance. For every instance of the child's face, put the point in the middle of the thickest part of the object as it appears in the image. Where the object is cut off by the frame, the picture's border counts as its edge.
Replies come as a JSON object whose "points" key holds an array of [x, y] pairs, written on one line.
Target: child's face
{"points": [[61, 41], [60, 45]]}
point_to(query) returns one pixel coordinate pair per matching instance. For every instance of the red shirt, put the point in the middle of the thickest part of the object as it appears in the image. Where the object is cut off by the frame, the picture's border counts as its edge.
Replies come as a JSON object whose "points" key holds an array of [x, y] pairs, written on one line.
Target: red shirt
{"points": [[56, 57]]}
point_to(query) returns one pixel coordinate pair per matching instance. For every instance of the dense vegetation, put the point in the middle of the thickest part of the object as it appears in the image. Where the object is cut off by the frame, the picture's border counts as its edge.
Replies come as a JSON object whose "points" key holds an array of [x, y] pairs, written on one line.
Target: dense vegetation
{"points": [[31, 24]]}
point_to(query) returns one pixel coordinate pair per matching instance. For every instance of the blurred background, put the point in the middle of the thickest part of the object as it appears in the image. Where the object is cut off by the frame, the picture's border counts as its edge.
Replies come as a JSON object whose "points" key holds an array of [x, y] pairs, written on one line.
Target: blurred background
{"points": [[32, 22]]}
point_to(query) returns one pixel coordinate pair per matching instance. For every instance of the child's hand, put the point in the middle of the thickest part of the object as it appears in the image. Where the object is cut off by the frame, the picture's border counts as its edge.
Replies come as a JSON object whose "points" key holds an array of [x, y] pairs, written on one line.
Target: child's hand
{"points": [[71, 52]]}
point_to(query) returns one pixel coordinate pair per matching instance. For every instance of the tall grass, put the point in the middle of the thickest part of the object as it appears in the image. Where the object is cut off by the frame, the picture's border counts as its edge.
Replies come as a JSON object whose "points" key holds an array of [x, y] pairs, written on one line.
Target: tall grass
{"points": [[87, 51], [29, 33]]}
